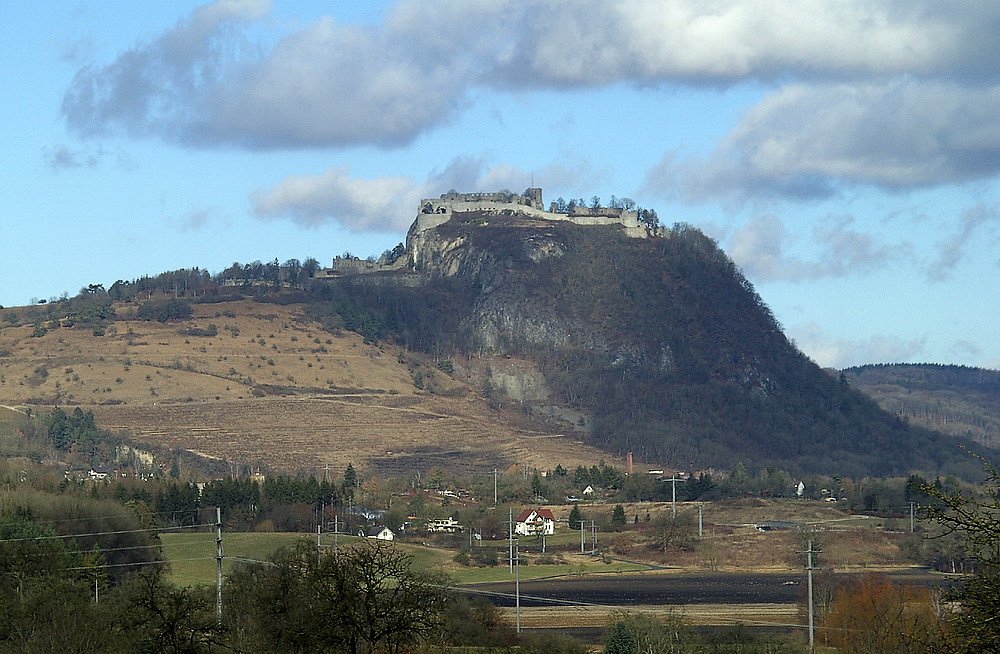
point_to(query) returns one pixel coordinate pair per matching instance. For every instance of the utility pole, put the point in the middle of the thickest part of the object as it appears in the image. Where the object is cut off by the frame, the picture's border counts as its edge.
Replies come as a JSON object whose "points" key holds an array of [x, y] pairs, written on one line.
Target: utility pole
{"points": [[494, 486], [809, 572], [673, 494], [510, 538], [912, 510], [218, 564], [700, 506], [516, 562], [583, 525]]}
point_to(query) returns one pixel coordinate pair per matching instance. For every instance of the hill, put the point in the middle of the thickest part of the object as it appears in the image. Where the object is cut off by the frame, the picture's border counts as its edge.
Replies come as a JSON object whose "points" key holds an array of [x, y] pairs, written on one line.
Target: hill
{"points": [[264, 385], [653, 340], [500, 333], [956, 400]]}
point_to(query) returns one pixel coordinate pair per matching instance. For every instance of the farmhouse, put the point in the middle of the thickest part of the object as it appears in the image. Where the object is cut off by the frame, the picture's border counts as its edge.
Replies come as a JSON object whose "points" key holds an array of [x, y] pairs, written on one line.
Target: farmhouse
{"points": [[99, 473], [378, 533], [535, 522]]}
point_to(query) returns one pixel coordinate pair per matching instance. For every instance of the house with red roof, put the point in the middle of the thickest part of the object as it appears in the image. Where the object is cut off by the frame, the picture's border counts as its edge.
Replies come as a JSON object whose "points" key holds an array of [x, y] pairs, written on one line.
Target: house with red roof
{"points": [[535, 522]]}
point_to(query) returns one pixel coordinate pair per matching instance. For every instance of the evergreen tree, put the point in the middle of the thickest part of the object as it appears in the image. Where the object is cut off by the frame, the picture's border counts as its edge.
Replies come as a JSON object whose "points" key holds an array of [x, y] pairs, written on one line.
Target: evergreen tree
{"points": [[350, 483], [620, 640], [618, 516]]}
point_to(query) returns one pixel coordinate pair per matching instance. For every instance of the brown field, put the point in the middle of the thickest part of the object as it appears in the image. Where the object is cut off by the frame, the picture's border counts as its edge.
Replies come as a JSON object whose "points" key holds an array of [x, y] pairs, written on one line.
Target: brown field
{"points": [[563, 617], [385, 434], [272, 388]]}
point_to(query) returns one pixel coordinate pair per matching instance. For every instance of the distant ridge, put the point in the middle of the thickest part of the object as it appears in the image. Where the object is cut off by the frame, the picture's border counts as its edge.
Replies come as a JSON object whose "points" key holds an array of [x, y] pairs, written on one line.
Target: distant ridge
{"points": [[957, 400]]}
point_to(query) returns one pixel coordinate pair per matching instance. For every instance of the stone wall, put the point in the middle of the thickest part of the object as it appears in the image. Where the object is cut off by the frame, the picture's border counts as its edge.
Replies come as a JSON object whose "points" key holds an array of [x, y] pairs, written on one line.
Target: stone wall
{"points": [[437, 211]]}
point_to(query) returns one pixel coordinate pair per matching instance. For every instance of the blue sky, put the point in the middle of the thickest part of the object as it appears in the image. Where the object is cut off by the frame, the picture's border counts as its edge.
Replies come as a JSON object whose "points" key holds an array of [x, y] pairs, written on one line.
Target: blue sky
{"points": [[845, 153]]}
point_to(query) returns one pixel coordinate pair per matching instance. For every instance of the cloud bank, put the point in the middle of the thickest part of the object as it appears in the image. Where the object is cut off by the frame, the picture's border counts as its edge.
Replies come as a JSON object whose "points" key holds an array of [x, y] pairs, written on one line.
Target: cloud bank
{"points": [[762, 247], [895, 94], [805, 141]]}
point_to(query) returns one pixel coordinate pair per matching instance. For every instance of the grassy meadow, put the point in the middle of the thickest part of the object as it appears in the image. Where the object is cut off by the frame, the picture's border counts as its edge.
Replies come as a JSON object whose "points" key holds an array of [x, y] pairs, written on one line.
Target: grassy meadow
{"points": [[191, 557]]}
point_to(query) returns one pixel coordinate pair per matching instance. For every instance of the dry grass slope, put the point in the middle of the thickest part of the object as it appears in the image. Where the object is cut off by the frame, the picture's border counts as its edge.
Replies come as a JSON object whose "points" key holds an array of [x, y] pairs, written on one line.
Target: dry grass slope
{"points": [[271, 388]]}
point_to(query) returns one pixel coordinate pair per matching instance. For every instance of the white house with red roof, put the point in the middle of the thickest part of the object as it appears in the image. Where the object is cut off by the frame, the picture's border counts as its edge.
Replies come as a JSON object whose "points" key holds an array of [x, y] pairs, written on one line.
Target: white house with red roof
{"points": [[535, 522]]}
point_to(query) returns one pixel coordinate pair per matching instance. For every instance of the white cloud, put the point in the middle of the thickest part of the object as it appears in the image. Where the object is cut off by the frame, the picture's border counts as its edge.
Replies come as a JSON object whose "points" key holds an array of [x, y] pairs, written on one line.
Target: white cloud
{"points": [[203, 83], [829, 352], [761, 249], [952, 250], [160, 88], [722, 41], [965, 350], [380, 204], [336, 85], [804, 141], [198, 219], [62, 157]]}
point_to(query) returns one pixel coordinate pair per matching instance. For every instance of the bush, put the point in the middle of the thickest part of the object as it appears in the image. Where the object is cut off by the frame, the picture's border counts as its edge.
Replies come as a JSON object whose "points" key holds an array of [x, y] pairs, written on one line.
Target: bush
{"points": [[211, 330], [477, 557], [165, 310]]}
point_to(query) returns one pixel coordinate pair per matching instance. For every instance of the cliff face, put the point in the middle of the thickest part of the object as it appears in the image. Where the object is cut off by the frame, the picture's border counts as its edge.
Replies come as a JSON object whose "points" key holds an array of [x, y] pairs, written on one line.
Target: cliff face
{"points": [[659, 344], [562, 287]]}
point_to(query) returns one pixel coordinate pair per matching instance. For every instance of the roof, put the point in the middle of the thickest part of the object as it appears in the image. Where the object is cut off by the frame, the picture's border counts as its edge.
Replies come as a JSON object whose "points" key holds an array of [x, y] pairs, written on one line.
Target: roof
{"points": [[544, 514]]}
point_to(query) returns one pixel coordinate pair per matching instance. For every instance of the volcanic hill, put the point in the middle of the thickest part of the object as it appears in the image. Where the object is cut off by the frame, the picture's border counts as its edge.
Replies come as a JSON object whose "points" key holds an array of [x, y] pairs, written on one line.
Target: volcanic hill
{"points": [[502, 333]]}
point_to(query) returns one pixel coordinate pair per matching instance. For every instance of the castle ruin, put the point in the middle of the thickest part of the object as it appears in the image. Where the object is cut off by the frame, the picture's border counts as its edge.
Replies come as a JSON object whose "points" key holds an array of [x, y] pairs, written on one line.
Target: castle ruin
{"points": [[437, 211]]}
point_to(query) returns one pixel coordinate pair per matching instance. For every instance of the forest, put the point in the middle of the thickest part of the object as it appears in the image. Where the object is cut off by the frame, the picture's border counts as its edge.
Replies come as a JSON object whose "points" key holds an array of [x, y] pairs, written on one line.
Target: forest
{"points": [[956, 400]]}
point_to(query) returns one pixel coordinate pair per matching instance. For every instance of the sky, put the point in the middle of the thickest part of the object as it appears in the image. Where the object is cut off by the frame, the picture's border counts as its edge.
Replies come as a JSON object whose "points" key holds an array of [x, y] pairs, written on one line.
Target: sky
{"points": [[844, 153]]}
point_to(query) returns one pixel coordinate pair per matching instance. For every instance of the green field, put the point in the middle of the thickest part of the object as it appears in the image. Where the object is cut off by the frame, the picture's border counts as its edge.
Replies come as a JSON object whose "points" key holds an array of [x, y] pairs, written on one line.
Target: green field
{"points": [[192, 557]]}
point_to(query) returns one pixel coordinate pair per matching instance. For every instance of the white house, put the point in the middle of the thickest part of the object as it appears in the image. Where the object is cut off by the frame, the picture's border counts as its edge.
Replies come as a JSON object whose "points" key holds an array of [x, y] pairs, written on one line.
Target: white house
{"points": [[448, 525], [535, 522], [378, 533], [99, 473]]}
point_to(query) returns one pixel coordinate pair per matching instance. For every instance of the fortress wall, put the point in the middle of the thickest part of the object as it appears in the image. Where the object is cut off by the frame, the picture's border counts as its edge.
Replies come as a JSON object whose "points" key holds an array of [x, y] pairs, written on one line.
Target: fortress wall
{"points": [[427, 221], [436, 212]]}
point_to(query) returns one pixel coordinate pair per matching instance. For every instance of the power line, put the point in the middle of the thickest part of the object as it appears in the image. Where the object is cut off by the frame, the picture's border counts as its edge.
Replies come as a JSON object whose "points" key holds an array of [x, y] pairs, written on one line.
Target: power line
{"points": [[246, 560], [135, 563], [103, 533], [121, 515], [135, 547]]}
